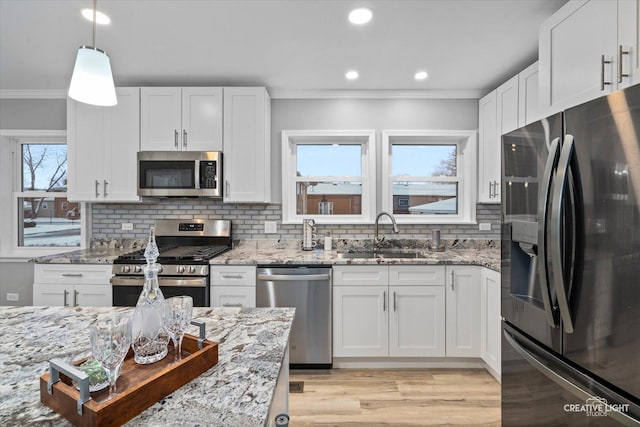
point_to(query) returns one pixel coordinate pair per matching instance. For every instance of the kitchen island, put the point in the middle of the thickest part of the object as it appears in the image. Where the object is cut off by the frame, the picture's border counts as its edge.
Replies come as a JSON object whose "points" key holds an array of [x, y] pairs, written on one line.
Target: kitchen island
{"points": [[239, 391]]}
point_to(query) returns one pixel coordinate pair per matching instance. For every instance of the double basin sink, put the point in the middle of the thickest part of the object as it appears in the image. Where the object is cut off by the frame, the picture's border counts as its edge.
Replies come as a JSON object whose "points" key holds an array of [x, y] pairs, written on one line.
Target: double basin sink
{"points": [[382, 253]]}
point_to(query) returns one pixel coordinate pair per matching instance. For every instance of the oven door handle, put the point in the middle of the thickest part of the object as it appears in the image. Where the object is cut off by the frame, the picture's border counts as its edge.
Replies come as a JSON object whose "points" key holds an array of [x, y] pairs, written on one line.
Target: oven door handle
{"points": [[292, 277], [199, 282]]}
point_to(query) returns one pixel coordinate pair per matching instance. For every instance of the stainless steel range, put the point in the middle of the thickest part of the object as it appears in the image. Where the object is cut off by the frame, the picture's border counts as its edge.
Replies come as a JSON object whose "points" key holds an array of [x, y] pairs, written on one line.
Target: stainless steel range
{"points": [[185, 246]]}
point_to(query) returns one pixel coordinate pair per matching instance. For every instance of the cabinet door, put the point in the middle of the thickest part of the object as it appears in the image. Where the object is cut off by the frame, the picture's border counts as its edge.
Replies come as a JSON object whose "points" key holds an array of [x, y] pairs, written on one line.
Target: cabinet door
{"points": [[233, 275], [507, 107], [488, 149], [201, 119], [417, 321], [247, 147], [49, 294], [119, 183], [528, 105], [85, 144], [233, 296], [572, 43], [463, 311], [92, 295], [490, 319], [628, 64], [360, 321], [160, 118]]}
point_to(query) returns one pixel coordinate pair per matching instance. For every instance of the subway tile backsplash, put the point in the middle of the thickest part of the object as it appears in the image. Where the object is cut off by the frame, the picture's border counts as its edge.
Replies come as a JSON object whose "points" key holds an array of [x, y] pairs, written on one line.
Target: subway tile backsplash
{"points": [[248, 221]]}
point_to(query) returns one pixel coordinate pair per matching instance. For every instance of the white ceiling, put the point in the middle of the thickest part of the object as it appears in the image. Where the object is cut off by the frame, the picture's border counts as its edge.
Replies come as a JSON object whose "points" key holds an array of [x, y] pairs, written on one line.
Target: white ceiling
{"points": [[286, 45]]}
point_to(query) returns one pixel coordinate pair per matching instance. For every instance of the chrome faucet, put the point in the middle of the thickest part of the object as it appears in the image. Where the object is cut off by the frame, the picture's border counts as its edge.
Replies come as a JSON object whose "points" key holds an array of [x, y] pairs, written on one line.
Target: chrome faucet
{"points": [[376, 239]]}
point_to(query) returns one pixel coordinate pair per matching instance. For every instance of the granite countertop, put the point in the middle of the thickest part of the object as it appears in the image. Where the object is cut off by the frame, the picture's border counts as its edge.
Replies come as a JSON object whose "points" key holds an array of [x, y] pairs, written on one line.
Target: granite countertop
{"points": [[235, 392], [270, 252], [100, 255]]}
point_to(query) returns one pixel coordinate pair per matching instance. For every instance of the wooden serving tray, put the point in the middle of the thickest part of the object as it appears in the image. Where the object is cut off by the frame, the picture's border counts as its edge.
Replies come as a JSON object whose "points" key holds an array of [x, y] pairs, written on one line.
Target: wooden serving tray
{"points": [[138, 386]]}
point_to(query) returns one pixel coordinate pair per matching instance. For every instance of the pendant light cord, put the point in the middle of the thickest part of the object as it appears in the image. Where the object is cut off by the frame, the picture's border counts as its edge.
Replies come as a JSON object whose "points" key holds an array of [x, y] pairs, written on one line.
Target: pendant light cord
{"points": [[94, 23]]}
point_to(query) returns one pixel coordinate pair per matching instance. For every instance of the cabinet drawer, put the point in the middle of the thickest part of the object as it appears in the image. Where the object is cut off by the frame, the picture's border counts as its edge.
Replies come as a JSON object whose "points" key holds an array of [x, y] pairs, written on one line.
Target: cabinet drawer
{"points": [[429, 275], [360, 275], [233, 296], [238, 275], [72, 273]]}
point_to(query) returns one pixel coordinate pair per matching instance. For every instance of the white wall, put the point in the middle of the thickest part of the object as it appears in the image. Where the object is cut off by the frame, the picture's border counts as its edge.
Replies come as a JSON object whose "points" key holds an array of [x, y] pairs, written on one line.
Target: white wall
{"points": [[49, 114], [377, 114]]}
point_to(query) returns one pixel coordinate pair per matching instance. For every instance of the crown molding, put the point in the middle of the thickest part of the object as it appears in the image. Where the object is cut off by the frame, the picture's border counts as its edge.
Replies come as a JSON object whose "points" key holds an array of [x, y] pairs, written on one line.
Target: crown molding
{"points": [[374, 94], [33, 94]]}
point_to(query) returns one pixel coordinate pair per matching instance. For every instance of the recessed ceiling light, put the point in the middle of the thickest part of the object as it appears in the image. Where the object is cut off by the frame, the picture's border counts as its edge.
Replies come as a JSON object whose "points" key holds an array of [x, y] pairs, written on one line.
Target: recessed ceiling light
{"points": [[421, 75], [351, 75], [101, 18], [360, 16]]}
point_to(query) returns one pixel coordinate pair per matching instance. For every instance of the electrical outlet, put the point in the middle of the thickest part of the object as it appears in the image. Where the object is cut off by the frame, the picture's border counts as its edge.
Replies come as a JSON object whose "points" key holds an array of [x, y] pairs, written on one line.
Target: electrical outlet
{"points": [[13, 296], [127, 226], [270, 227], [484, 226]]}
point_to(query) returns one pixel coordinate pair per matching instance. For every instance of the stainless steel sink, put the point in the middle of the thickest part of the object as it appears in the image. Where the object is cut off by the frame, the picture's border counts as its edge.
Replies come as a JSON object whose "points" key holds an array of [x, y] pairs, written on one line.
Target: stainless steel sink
{"points": [[380, 254]]}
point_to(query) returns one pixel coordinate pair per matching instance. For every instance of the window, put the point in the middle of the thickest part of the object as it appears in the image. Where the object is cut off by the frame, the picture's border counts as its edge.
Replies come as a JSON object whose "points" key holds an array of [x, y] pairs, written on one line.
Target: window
{"points": [[42, 217], [427, 176], [328, 176]]}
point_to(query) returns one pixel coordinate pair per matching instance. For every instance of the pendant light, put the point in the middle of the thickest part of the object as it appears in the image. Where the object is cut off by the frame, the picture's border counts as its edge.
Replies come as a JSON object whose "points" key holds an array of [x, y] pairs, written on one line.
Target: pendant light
{"points": [[92, 81]]}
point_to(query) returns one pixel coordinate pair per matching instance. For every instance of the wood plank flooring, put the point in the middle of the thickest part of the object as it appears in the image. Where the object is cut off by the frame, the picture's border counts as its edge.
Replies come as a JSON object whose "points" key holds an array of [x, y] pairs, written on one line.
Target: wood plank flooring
{"points": [[395, 397]]}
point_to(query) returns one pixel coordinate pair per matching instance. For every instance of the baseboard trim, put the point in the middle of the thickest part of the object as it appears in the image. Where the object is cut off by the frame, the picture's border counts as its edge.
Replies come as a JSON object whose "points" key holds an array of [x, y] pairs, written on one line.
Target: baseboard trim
{"points": [[407, 363]]}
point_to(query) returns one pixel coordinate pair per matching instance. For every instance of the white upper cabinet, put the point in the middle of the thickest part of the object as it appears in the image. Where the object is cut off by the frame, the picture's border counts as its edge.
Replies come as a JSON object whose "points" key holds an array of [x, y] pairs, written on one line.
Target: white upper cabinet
{"points": [[507, 105], [528, 99], [488, 149], [247, 145], [102, 143], [181, 119], [587, 49]]}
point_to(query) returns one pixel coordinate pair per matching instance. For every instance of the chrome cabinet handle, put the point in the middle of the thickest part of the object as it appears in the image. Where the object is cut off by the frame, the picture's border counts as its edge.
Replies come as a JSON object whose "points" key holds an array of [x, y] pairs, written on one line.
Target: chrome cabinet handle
{"points": [[384, 301], [175, 138], [105, 187], [97, 188], [227, 187], [64, 299], [495, 188], [228, 304], [620, 53], [603, 83], [184, 138], [71, 274], [394, 300], [453, 279], [562, 174], [75, 298], [490, 189], [232, 276]]}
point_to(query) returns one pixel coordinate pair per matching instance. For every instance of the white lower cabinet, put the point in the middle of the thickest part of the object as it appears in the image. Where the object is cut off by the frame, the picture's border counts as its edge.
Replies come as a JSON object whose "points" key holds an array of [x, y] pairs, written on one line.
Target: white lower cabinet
{"points": [[381, 311], [72, 285], [463, 311], [233, 285], [490, 346]]}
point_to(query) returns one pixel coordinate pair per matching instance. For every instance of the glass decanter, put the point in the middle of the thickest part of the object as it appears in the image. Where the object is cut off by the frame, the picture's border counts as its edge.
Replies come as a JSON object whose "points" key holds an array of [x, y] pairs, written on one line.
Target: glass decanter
{"points": [[149, 338]]}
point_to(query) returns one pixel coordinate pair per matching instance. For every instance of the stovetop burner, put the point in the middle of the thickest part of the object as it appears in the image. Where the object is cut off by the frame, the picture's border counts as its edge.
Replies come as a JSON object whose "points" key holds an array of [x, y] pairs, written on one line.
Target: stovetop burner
{"points": [[175, 255]]}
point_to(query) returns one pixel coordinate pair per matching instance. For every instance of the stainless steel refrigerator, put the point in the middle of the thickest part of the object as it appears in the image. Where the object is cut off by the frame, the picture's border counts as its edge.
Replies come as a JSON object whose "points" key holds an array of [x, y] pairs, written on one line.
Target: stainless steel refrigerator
{"points": [[571, 267]]}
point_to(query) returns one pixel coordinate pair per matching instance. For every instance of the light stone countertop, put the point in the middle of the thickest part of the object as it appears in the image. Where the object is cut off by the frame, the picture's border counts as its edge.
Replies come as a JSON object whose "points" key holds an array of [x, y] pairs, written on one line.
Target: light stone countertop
{"points": [[235, 392]]}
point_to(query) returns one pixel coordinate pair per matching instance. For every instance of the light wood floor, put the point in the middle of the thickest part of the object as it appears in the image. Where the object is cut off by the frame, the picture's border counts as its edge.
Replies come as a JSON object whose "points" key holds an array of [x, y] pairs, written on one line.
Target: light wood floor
{"points": [[395, 397]]}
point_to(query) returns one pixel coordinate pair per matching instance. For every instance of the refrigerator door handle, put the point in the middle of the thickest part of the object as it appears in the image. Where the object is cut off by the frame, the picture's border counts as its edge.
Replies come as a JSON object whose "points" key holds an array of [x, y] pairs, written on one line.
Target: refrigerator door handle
{"points": [[543, 204], [562, 174], [542, 366]]}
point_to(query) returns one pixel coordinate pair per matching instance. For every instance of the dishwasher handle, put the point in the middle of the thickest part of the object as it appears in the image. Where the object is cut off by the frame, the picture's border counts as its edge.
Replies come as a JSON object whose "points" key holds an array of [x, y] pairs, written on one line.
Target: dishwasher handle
{"points": [[292, 277]]}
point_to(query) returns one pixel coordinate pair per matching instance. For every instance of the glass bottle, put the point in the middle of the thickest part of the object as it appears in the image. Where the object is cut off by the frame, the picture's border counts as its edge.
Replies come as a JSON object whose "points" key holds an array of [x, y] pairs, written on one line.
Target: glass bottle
{"points": [[149, 338]]}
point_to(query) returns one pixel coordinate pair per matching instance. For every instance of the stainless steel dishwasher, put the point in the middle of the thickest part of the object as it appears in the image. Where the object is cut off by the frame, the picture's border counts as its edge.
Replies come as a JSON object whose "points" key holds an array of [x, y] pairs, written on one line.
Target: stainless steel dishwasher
{"points": [[308, 289]]}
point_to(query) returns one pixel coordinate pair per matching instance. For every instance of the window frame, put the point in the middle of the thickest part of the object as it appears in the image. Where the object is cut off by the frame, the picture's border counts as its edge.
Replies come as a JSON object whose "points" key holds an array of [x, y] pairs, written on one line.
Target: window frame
{"points": [[466, 143], [11, 142], [292, 138]]}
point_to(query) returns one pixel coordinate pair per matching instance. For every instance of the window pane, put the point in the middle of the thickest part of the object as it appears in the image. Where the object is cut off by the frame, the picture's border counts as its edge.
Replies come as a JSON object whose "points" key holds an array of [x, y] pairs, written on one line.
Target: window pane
{"points": [[423, 160], [44, 167], [425, 198], [329, 160], [326, 198], [43, 221]]}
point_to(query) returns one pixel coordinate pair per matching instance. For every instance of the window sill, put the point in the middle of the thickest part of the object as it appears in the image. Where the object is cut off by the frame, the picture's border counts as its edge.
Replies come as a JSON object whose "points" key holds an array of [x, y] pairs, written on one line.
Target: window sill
{"points": [[28, 254]]}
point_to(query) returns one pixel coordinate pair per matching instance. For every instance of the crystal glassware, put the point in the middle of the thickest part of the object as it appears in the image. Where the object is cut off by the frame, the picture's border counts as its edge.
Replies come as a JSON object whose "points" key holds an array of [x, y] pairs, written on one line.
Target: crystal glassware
{"points": [[177, 317], [110, 342]]}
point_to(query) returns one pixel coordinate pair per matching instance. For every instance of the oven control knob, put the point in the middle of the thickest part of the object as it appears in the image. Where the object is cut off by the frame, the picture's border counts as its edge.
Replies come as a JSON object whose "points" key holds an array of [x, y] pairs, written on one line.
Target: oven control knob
{"points": [[192, 269], [180, 269], [137, 269], [126, 269]]}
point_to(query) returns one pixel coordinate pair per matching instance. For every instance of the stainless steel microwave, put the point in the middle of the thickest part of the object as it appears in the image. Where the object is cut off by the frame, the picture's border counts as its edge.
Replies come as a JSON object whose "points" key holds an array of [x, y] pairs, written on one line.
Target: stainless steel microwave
{"points": [[180, 174]]}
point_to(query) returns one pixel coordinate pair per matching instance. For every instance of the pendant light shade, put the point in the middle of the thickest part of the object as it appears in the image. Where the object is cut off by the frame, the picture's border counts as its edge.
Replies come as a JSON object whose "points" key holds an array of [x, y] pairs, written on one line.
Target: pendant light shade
{"points": [[92, 81]]}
